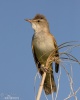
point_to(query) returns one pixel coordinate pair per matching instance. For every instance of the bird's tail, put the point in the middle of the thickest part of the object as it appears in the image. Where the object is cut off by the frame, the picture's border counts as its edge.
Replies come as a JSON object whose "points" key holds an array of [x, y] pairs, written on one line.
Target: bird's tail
{"points": [[49, 83]]}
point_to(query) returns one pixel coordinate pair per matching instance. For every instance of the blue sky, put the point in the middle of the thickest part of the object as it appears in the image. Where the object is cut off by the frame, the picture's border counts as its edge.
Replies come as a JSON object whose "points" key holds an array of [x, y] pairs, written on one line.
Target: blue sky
{"points": [[17, 67]]}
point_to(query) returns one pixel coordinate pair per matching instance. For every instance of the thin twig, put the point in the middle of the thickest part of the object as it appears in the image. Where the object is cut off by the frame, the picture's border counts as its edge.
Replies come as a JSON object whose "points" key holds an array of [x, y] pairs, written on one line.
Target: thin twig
{"points": [[37, 74], [72, 94], [71, 85], [58, 84]]}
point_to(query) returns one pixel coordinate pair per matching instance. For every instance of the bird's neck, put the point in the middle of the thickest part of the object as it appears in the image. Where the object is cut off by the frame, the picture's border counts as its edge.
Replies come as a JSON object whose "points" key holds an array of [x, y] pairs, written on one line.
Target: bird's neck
{"points": [[41, 34], [38, 33], [42, 31]]}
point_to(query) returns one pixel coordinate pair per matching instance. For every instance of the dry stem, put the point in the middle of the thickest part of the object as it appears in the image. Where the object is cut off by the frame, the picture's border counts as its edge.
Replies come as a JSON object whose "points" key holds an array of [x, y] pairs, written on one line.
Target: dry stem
{"points": [[41, 86]]}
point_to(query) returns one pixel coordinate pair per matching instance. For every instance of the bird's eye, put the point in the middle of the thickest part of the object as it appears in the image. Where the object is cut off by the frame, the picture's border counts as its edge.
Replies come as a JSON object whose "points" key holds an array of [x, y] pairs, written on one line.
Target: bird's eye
{"points": [[38, 20]]}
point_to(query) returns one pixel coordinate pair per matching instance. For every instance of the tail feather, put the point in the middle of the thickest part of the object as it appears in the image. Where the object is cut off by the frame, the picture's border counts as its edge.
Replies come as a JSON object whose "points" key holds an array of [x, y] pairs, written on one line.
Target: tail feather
{"points": [[56, 67], [49, 84]]}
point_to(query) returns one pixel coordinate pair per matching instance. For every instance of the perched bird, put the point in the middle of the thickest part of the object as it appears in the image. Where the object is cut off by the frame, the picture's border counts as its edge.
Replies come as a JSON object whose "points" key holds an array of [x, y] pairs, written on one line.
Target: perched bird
{"points": [[43, 43]]}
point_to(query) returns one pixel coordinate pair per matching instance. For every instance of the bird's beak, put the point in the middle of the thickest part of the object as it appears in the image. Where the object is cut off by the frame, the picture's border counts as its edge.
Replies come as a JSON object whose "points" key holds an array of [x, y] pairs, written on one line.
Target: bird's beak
{"points": [[28, 20]]}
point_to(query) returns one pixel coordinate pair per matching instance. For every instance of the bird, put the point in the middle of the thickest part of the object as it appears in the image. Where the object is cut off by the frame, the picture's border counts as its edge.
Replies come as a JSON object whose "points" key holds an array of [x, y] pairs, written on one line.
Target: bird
{"points": [[43, 43]]}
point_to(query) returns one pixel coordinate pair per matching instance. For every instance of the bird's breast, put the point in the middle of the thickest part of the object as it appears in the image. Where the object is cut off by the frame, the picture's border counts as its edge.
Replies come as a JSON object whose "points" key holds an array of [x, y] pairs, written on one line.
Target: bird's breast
{"points": [[43, 47]]}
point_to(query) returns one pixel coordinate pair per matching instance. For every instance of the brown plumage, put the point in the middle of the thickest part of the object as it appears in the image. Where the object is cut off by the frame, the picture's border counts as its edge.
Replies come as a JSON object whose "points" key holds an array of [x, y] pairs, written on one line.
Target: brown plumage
{"points": [[43, 43], [39, 16]]}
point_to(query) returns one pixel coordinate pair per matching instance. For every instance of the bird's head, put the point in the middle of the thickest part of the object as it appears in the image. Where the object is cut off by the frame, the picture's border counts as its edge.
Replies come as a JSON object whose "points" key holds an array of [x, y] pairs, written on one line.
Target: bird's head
{"points": [[39, 23]]}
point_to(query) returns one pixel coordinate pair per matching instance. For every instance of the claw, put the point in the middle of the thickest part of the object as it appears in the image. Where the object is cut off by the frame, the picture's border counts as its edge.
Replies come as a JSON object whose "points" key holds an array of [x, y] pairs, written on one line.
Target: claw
{"points": [[45, 69]]}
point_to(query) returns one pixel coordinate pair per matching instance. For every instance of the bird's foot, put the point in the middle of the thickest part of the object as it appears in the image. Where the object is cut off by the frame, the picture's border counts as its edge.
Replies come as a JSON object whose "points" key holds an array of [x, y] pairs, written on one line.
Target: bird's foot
{"points": [[45, 69]]}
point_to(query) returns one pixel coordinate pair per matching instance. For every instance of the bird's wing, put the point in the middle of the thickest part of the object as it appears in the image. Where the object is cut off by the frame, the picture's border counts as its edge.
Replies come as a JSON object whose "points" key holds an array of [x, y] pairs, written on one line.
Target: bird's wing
{"points": [[56, 54], [34, 55], [36, 59]]}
